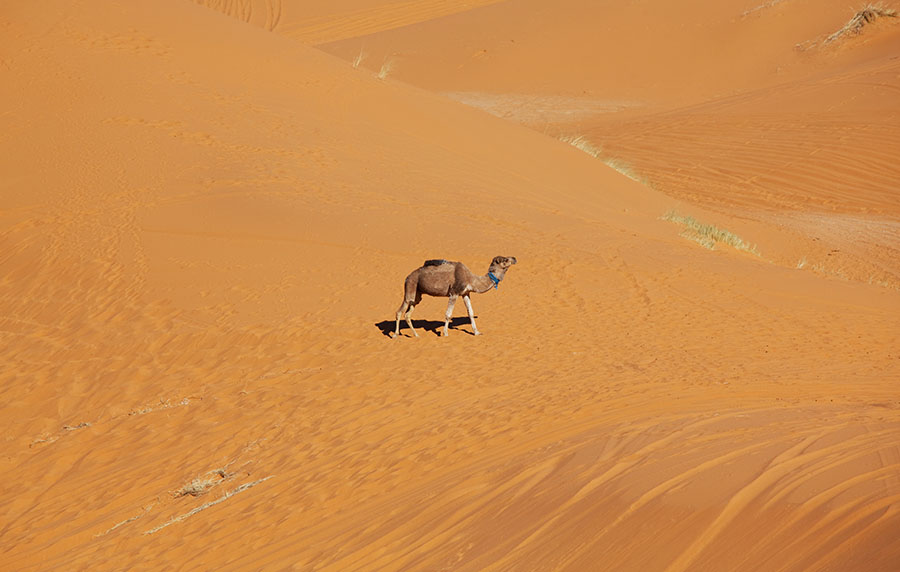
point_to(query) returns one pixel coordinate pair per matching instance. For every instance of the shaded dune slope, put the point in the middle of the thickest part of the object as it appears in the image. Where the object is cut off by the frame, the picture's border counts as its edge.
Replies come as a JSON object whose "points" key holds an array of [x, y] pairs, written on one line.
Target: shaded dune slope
{"points": [[199, 261]]}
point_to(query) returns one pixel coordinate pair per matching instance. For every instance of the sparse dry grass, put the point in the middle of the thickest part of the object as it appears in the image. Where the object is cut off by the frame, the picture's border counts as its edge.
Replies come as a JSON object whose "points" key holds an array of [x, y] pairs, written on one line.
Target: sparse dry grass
{"points": [[881, 280], [580, 142], [76, 427], [866, 15], [386, 68], [359, 59], [196, 488], [48, 438], [874, 281], [163, 404], [43, 439], [127, 520], [205, 506], [763, 6], [708, 235], [626, 169]]}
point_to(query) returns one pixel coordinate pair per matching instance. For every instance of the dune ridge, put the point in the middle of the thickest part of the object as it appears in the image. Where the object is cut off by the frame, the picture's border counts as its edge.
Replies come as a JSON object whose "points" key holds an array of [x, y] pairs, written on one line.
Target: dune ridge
{"points": [[200, 263]]}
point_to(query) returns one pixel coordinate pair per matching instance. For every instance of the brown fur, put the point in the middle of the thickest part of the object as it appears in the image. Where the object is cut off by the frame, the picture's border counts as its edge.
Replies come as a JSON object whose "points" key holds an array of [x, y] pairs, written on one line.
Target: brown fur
{"points": [[449, 280]]}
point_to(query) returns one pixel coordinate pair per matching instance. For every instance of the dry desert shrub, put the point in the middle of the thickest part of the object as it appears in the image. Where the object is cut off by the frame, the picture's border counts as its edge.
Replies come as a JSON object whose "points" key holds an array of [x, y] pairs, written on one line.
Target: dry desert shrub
{"points": [[868, 14], [201, 484]]}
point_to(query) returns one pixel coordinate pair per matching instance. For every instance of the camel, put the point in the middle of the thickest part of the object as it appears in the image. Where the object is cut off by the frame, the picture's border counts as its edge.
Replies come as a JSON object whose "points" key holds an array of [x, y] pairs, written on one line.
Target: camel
{"points": [[451, 280]]}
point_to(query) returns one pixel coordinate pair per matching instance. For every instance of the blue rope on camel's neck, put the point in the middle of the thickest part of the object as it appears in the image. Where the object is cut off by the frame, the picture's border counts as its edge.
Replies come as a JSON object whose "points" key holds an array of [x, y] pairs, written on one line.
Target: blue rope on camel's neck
{"points": [[494, 279]]}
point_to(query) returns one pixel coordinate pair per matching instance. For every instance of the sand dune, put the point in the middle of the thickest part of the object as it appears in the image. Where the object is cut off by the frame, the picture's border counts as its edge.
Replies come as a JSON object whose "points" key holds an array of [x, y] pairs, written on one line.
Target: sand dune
{"points": [[205, 226], [748, 109]]}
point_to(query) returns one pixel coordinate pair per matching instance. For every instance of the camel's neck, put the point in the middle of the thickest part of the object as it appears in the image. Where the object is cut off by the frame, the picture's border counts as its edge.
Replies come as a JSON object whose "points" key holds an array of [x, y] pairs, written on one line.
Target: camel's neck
{"points": [[484, 283]]}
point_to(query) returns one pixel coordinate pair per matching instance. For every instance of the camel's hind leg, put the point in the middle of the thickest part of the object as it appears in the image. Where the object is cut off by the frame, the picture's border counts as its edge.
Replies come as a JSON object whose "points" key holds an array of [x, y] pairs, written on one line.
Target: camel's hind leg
{"points": [[412, 306], [403, 307], [406, 309]]}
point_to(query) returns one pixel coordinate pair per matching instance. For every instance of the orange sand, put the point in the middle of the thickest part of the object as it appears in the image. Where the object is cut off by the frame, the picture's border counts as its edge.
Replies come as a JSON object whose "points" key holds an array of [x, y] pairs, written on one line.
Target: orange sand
{"points": [[205, 225]]}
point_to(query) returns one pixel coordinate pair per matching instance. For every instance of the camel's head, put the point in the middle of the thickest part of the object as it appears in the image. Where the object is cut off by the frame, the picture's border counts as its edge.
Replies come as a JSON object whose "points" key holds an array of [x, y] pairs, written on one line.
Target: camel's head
{"points": [[500, 264]]}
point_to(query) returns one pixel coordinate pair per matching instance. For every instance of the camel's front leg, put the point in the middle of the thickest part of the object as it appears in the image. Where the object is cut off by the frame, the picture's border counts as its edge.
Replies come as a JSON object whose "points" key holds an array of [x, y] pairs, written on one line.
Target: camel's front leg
{"points": [[448, 315], [471, 314]]}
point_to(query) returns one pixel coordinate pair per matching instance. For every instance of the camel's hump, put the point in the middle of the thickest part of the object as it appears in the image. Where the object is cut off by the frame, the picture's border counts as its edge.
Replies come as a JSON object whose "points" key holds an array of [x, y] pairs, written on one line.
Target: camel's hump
{"points": [[436, 262]]}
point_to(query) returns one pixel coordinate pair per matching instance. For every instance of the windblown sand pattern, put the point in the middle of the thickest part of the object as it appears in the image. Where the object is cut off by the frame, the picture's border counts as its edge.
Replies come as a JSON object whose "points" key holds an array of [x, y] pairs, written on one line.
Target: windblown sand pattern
{"points": [[205, 225]]}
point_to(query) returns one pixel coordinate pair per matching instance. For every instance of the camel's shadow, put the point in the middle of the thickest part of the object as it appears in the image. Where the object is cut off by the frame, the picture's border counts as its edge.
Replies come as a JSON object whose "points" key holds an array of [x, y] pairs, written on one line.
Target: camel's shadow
{"points": [[433, 326]]}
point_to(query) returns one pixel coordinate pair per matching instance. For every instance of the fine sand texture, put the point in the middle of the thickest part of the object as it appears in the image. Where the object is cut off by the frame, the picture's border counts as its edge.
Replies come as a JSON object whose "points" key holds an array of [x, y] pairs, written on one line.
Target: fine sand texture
{"points": [[208, 208]]}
